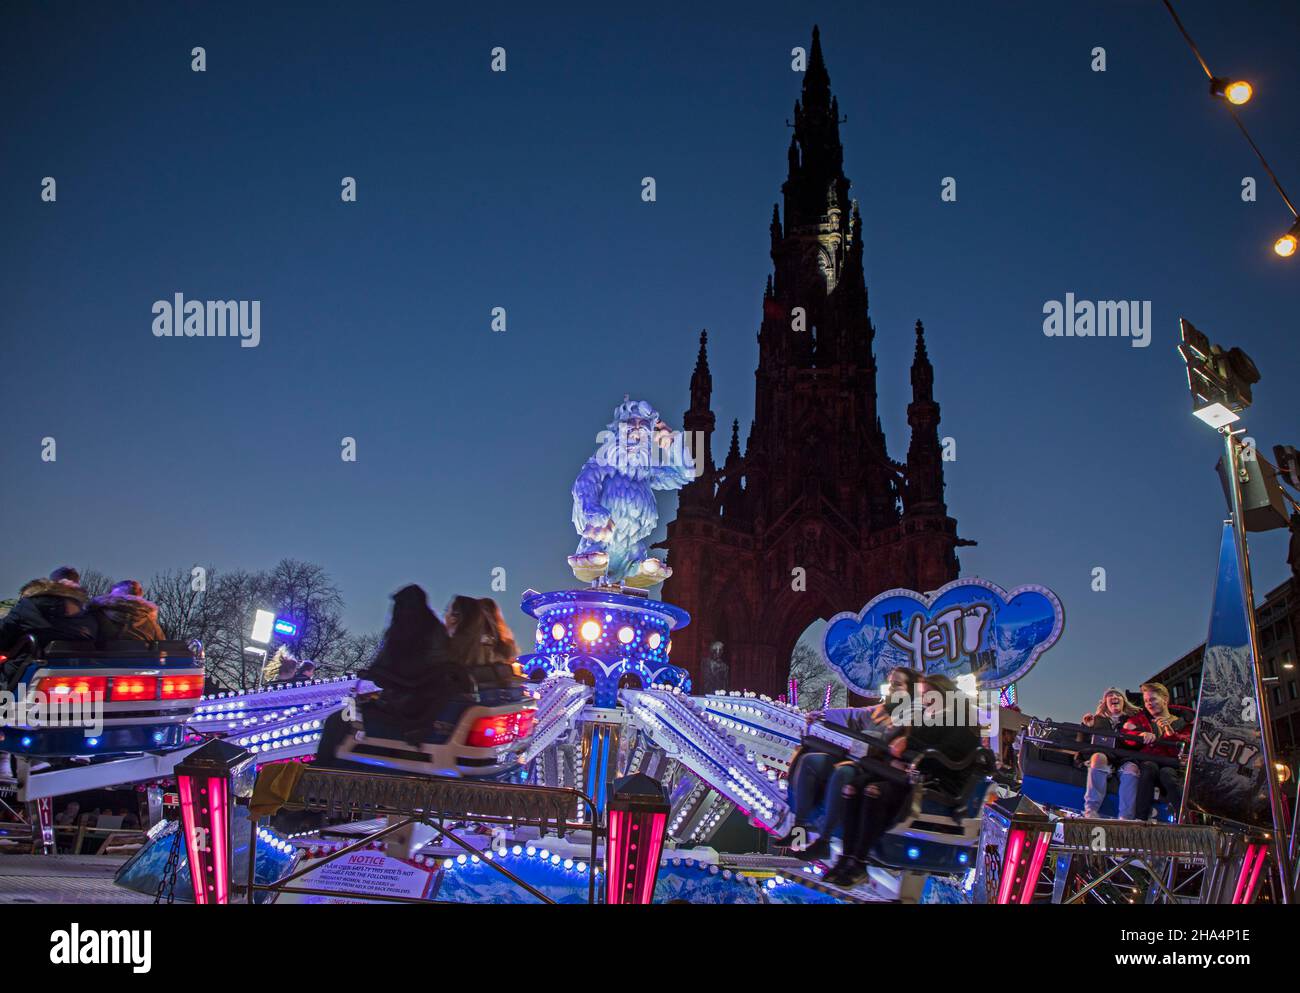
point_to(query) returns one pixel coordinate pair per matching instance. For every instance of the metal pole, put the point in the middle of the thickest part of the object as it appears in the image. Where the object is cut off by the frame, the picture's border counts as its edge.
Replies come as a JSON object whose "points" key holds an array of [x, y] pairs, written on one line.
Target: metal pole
{"points": [[1280, 848]]}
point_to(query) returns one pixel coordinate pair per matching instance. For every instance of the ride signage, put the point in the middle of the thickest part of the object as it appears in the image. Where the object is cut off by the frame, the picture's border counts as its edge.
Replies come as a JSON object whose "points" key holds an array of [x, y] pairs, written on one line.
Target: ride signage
{"points": [[357, 875], [968, 627]]}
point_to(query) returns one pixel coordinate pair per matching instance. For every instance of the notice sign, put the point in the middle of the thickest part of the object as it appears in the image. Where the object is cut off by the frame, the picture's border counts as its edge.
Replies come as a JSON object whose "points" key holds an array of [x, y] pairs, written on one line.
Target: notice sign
{"points": [[357, 874]]}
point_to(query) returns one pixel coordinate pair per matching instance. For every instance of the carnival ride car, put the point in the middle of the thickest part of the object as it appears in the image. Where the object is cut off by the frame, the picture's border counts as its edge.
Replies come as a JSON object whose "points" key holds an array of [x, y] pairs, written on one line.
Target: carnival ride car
{"points": [[1053, 771], [102, 701], [474, 735]]}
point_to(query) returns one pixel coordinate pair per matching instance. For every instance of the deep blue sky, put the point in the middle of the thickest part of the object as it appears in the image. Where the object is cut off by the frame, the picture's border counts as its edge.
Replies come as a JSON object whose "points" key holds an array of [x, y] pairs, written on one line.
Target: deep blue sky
{"points": [[521, 190]]}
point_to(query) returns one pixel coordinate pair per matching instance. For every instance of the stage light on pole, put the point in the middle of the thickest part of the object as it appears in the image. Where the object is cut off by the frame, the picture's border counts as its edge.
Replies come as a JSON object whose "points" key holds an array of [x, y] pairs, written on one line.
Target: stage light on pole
{"points": [[1235, 91], [1220, 382], [263, 621], [1286, 245]]}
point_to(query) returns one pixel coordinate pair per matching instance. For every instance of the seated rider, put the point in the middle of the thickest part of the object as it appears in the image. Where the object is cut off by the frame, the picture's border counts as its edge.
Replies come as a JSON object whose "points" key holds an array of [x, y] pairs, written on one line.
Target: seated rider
{"points": [[1114, 714], [482, 643], [1164, 729], [123, 614], [941, 718], [820, 779], [412, 670], [51, 609]]}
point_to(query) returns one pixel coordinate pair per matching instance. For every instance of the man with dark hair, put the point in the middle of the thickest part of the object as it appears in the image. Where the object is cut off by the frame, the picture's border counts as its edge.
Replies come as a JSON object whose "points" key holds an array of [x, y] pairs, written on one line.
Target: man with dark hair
{"points": [[66, 573]]}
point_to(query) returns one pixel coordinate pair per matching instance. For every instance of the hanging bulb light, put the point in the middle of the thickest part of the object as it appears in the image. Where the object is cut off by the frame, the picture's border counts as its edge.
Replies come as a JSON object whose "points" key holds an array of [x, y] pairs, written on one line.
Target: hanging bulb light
{"points": [[1286, 245], [1235, 91]]}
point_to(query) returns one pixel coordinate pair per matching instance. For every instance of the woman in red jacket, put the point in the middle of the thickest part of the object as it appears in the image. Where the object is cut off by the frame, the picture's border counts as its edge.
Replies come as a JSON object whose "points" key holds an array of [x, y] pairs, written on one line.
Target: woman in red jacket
{"points": [[1164, 729]]}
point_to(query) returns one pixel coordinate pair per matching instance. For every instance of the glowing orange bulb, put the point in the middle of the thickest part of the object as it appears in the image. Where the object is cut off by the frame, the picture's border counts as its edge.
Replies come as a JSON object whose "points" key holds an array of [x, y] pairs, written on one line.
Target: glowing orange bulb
{"points": [[1285, 246], [590, 630], [557, 632], [1238, 92]]}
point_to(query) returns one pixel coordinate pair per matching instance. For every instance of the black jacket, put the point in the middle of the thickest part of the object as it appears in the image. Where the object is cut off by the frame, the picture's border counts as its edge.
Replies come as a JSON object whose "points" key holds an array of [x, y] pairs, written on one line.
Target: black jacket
{"points": [[50, 610]]}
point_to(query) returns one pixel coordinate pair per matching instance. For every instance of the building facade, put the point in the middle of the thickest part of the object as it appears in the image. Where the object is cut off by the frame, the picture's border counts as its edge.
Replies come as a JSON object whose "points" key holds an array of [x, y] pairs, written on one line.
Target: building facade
{"points": [[813, 516]]}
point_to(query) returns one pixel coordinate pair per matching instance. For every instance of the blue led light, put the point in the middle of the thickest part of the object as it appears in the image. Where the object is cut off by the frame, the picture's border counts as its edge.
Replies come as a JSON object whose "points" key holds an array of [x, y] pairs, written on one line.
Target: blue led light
{"points": [[963, 857], [158, 736], [26, 741], [92, 742], [287, 628], [914, 853]]}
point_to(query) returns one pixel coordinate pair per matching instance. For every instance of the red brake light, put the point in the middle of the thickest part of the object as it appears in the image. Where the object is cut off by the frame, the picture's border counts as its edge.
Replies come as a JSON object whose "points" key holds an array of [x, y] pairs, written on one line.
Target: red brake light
{"points": [[128, 688], [83, 686], [182, 687], [502, 729]]}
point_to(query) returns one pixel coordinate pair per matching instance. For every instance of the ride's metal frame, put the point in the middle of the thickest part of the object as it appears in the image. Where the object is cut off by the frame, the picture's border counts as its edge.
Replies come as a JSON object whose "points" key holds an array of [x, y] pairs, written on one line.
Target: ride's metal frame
{"points": [[1174, 863], [431, 801]]}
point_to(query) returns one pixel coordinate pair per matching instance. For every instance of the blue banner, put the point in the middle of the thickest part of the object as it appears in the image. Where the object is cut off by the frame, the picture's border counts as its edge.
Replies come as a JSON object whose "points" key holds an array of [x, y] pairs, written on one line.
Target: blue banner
{"points": [[1226, 777]]}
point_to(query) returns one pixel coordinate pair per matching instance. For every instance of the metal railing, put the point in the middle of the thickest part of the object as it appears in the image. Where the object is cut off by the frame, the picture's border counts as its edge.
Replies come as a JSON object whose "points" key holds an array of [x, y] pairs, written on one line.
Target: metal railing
{"points": [[432, 801]]}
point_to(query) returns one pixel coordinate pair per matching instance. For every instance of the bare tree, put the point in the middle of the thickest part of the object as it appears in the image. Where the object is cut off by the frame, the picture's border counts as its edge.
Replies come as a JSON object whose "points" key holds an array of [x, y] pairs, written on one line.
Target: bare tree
{"points": [[219, 612], [95, 583], [814, 675]]}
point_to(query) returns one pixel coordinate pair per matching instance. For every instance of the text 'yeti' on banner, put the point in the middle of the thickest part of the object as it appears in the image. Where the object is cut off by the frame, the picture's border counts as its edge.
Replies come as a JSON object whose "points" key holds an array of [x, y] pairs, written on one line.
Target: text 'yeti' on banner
{"points": [[968, 626]]}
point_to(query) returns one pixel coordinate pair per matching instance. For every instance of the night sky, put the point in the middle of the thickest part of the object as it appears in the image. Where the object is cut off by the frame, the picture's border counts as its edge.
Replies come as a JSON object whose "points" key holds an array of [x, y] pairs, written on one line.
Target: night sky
{"points": [[522, 190]]}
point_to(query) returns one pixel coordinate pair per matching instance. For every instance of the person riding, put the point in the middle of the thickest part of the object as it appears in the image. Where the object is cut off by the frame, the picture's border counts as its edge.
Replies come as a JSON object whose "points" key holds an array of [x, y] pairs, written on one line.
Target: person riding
{"points": [[1164, 729], [1113, 715], [123, 614], [51, 609], [481, 641], [942, 718], [414, 667], [819, 779]]}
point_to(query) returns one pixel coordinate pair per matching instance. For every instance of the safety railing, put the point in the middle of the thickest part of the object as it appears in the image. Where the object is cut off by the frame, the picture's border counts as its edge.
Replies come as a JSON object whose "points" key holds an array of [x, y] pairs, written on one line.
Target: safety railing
{"points": [[433, 801]]}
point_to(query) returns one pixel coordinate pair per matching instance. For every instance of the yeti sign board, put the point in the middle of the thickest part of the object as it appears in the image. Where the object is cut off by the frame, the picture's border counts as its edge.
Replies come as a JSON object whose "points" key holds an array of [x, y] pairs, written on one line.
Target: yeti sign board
{"points": [[968, 627]]}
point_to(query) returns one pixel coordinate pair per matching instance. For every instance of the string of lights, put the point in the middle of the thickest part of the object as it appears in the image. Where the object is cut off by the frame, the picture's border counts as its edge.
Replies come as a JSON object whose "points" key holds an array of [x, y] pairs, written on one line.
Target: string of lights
{"points": [[1237, 92]]}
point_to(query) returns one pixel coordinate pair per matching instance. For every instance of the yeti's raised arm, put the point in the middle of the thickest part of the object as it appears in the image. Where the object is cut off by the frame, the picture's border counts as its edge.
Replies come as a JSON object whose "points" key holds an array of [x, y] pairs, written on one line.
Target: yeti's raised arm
{"points": [[675, 465], [588, 512]]}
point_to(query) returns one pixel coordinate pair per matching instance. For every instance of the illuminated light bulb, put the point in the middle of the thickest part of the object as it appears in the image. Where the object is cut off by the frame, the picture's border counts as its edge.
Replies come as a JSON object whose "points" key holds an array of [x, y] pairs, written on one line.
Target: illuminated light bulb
{"points": [[655, 639], [1238, 92], [590, 630], [1286, 245], [557, 631], [625, 635]]}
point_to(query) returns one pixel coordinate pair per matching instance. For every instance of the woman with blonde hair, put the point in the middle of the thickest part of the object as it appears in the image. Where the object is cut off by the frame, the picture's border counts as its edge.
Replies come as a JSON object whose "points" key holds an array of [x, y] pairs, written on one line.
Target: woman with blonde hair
{"points": [[1112, 716]]}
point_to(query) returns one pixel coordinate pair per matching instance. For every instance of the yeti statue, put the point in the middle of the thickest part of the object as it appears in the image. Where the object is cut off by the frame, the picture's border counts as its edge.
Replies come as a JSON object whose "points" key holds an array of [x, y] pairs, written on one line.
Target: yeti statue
{"points": [[613, 500]]}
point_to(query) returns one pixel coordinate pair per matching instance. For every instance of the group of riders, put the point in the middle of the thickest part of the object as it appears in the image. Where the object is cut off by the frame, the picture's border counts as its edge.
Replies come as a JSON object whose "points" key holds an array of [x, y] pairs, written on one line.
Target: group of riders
{"points": [[422, 664], [426, 667], [58, 609], [926, 712]]}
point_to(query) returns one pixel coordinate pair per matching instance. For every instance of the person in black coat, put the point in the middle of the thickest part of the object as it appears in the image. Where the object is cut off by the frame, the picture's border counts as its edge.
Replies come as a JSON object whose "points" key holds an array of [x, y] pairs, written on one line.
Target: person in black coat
{"points": [[48, 609], [412, 668]]}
